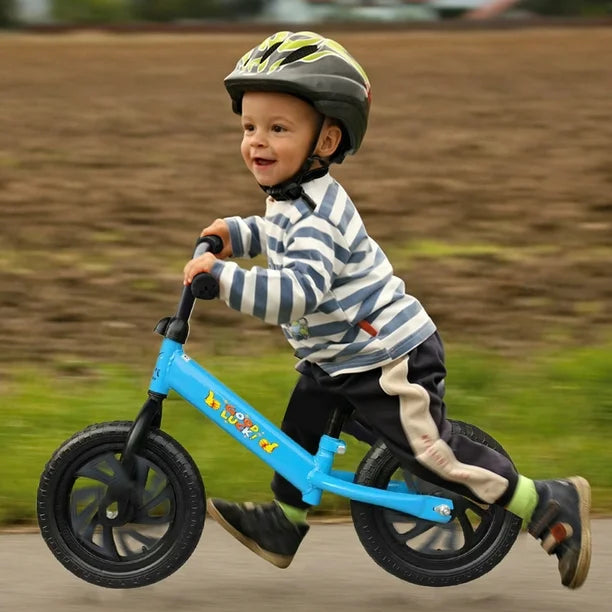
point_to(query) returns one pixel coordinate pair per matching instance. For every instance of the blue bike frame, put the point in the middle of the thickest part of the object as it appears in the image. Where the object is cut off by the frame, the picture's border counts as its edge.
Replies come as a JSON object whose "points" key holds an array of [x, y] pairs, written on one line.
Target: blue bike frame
{"points": [[311, 474]]}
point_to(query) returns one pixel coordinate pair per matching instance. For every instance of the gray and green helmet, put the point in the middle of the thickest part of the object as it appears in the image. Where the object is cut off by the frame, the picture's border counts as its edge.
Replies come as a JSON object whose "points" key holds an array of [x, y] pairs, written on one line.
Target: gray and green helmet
{"points": [[311, 67]]}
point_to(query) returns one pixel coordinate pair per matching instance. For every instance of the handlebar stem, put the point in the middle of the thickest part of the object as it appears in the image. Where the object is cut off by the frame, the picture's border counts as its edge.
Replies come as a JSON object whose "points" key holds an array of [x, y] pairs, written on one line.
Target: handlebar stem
{"points": [[177, 327]]}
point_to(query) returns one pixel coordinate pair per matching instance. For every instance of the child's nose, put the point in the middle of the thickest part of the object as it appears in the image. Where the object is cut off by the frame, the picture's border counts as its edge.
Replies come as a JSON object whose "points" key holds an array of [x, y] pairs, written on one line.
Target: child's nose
{"points": [[259, 139]]}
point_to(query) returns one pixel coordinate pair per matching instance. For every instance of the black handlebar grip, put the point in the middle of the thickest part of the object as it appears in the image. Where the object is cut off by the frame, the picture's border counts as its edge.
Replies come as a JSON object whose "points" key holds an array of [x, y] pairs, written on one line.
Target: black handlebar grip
{"points": [[204, 286], [213, 242]]}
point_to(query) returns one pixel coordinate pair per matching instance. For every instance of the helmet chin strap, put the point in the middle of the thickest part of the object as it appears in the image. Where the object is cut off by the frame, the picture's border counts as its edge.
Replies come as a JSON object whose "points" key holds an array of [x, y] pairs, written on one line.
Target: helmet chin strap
{"points": [[291, 188]]}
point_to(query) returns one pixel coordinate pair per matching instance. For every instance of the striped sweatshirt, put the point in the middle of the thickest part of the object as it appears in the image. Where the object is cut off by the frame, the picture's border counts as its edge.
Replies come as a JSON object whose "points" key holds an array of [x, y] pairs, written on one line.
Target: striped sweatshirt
{"points": [[328, 284]]}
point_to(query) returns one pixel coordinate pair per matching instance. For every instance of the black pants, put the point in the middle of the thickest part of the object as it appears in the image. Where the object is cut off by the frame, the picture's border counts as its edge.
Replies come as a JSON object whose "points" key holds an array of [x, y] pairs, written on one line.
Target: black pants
{"points": [[401, 402]]}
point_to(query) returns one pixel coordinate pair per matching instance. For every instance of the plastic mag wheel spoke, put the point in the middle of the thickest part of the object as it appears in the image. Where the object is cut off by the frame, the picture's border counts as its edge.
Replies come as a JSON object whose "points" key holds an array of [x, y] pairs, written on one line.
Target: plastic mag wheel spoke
{"points": [[467, 529], [395, 516], [428, 545], [136, 535], [119, 528], [145, 519], [109, 548], [479, 509], [419, 526], [454, 540], [94, 473], [431, 553], [164, 495], [83, 518], [87, 534]]}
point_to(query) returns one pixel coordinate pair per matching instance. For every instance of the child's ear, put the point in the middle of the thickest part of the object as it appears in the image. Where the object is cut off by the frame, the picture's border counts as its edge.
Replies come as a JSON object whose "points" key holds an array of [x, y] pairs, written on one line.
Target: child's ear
{"points": [[329, 140]]}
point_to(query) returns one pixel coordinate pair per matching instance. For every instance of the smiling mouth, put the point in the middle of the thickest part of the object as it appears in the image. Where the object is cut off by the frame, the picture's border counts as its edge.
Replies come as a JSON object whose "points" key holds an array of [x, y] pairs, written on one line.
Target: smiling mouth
{"points": [[262, 162]]}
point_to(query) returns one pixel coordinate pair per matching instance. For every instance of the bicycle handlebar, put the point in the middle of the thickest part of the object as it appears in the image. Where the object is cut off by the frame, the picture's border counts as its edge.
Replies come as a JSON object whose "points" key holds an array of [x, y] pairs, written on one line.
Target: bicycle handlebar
{"points": [[212, 243], [204, 286]]}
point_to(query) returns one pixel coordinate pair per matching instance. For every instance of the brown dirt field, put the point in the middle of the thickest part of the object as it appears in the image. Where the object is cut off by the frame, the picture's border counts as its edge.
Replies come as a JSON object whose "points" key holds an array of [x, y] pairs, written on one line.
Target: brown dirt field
{"points": [[486, 174]]}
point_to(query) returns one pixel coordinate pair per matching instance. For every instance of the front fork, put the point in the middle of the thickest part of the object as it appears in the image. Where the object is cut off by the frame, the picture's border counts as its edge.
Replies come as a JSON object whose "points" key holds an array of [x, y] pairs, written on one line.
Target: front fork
{"points": [[123, 492], [150, 415]]}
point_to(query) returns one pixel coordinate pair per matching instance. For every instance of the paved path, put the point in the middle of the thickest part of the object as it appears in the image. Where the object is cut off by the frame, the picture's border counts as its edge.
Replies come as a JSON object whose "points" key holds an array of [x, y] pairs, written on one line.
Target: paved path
{"points": [[331, 573]]}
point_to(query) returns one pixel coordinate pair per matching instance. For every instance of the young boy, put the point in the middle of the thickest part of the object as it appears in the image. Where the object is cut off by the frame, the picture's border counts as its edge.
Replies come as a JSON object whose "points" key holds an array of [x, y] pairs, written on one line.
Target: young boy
{"points": [[362, 341]]}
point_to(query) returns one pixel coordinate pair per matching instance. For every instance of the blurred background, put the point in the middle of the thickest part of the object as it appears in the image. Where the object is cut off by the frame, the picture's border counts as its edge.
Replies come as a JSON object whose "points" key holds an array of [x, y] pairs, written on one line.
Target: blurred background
{"points": [[486, 176], [291, 11]]}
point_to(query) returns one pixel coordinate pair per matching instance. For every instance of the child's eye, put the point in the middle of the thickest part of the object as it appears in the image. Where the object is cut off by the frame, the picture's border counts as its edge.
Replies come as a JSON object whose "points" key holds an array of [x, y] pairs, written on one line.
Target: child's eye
{"points": [[278, 128], [248, 127]]}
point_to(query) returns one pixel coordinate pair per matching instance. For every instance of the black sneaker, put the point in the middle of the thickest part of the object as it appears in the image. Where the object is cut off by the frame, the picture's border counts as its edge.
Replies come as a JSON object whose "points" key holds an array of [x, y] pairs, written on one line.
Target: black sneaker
{"points": [[561, 521], [263, 528]]}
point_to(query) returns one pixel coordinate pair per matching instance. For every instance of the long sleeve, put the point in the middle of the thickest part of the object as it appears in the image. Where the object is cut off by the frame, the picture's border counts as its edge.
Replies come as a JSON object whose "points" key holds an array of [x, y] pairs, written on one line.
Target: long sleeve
{"points": [[297, 288], [248, 236]]}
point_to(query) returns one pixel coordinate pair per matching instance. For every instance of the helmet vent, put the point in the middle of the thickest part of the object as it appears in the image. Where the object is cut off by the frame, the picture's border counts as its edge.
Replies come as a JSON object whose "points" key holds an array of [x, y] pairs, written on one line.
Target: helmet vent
{"points": [[269, 52], [298, 54]]}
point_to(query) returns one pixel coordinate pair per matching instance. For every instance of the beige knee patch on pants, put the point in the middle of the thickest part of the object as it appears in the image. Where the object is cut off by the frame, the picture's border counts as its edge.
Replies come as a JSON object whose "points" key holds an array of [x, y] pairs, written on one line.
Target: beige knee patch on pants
{"points": [[422, 434]]}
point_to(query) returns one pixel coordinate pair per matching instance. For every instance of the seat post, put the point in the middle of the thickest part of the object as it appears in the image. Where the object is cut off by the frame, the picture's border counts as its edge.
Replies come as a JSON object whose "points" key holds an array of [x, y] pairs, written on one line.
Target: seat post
{"points": [[336, 420]]}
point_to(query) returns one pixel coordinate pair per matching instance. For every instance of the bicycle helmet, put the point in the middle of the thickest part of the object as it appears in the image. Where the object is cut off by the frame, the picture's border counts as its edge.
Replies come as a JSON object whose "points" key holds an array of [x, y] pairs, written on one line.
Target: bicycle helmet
{"points": [[316, 69]]}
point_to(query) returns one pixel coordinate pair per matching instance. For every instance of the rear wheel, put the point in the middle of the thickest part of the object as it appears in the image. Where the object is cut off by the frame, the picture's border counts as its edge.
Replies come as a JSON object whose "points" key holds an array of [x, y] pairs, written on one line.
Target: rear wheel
{"points": [[116, 529], [475, 540]]}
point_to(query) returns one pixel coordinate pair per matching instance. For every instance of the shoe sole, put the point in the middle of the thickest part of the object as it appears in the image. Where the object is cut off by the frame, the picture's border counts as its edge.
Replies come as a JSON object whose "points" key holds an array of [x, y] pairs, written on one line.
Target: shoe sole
{"points": [[281, 561], [584, 558]]}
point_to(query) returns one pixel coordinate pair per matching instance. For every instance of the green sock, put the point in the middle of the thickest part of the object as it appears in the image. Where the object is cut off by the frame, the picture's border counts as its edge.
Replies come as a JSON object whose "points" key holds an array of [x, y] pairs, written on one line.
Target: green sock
{"points": [[295, 515], [524, 500]]}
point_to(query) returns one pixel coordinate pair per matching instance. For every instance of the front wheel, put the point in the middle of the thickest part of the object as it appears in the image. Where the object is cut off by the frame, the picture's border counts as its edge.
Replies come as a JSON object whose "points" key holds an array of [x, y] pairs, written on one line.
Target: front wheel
{"points": [[427, 553], [118, 529]]}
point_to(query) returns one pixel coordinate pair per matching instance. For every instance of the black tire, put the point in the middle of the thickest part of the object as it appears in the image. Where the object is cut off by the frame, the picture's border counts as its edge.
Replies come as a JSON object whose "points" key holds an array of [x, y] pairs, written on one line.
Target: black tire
{"points": [[81, 527], [424, 552]]}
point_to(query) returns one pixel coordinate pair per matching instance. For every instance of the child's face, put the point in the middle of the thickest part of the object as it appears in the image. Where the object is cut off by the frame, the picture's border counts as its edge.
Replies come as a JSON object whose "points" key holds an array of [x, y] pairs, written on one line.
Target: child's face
{"points": [[278, 134]]}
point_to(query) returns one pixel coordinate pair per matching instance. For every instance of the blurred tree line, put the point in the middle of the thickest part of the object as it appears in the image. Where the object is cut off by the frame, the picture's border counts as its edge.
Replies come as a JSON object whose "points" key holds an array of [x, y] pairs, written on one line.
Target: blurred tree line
{"points": [[105, 11], [568, 7], [153, 10], [7, 12]]}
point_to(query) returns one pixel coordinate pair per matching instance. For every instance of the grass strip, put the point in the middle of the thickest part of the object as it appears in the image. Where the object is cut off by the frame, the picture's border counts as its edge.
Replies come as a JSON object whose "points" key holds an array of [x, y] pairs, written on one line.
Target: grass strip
{"points": [[552, 413]]}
